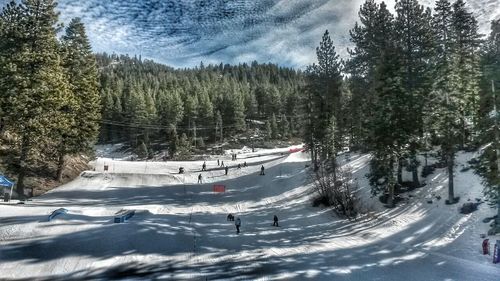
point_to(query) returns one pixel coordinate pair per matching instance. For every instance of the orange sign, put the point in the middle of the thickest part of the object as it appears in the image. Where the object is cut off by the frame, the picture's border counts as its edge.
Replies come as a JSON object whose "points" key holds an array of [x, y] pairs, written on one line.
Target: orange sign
{"points": [[219, 188]]}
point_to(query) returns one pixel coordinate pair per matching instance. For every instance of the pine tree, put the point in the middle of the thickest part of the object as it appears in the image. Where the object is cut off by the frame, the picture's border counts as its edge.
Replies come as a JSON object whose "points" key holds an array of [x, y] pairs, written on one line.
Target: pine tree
{"points": [[415, 44], [36, 98], [219, 129], [285, 127], [170, 108], [173, 140], [184, 148], [274, 127], [142, 150], [268, 130], [489, 161], [444, 94], [80, 65], [456, 80], [324, 85], [238, 112], [364, 58], [387, 122], [466, 42]]}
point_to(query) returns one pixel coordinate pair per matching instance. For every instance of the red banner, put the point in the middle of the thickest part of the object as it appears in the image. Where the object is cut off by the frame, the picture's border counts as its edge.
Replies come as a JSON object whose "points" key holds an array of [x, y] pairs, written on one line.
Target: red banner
{"points": [[219, 188]]}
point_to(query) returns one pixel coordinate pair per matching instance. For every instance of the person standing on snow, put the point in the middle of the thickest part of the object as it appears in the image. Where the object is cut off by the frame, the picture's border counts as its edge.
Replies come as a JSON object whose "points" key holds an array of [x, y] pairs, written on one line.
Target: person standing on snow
{"points": [[237, 223], [204, 166], [275, 219], [200, 178], [262, 170], [218, 162], [226, 169]]}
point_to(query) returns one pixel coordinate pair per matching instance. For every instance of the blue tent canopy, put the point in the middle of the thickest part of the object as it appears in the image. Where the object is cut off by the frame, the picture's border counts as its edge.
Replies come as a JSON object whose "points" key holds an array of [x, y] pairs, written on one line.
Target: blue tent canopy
{"points": [[5, 182]]}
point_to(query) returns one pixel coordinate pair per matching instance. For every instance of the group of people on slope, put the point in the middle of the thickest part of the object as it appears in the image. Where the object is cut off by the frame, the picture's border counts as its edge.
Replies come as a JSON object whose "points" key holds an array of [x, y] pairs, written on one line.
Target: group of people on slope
{"points": [[226, 169], [237, 222]]}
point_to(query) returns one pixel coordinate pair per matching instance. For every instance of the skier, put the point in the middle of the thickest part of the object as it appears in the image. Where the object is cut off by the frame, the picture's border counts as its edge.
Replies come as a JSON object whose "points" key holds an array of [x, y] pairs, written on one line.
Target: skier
{"points": [[204, 166], [262, 170], [199, 178], [275, 219], [226, 169], [237, 223], [222, 163]]}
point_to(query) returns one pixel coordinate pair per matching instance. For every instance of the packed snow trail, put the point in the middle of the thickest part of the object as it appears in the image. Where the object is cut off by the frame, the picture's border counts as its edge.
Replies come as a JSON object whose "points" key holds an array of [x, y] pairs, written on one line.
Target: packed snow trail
{"points": [[180, 230]]}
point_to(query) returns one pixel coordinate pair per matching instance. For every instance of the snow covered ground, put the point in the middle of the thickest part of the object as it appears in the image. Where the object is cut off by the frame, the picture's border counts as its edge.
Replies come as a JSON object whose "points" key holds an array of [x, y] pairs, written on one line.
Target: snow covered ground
{"points": [[180, 230]]}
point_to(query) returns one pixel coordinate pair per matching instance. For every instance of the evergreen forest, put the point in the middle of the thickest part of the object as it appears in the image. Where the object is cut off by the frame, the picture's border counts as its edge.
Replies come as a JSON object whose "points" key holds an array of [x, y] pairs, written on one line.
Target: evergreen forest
{"points": [[416, 82]]}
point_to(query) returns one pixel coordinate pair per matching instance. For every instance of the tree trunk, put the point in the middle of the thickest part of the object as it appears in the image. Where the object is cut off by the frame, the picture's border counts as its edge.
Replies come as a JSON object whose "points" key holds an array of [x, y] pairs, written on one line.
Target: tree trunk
{"points": [[464, 136], [25, 148], [414, 171], [20, 183], [497, 221], [60, 167], [451, 193], [390, 198], [400, 171], [334, 171]]}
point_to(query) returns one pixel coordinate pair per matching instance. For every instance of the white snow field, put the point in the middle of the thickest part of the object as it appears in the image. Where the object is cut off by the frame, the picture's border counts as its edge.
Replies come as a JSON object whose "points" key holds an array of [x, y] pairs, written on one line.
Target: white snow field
{"points": [[180, 232]]}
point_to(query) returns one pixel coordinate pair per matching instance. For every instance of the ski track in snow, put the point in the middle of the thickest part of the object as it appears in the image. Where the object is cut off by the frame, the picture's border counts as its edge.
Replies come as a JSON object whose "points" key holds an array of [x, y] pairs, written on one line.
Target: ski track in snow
{"points": [[180, 230]]}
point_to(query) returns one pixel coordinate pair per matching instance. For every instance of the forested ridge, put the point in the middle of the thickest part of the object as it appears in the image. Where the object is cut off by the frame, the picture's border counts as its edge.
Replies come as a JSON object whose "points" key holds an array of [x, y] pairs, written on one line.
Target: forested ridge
{"points": [[145, 103]]}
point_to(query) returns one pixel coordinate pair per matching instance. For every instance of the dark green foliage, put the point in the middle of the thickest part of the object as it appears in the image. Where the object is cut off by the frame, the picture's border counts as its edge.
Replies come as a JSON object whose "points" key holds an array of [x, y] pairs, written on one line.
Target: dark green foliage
{"points": [[324, 105], [49, 97], [414, 82], [183, 148], [84, 112], [488, 165], [142, 150], [274, 127], [211, 103], [415, 44], [455, 91], [285, 127], [36, 100]]}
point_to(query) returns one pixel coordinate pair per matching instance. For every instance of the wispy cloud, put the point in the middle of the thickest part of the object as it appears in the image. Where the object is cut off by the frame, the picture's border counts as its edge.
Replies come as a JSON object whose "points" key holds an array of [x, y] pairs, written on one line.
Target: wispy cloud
{"points": [[182, 33]]}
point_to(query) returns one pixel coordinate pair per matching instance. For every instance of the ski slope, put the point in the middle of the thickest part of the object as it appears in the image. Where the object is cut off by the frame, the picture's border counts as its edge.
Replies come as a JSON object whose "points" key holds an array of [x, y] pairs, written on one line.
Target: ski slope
{"points": [[180, 232]]}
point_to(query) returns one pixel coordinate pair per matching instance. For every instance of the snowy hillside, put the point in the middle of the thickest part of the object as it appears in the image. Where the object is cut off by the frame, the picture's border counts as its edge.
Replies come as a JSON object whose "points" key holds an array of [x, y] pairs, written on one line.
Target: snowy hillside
{"points": [[180, 231]]}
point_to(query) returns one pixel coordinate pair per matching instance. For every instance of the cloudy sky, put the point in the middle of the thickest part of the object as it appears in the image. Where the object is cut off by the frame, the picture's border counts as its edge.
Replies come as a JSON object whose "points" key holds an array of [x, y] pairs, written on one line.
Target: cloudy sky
{"points": [[181, 33]]}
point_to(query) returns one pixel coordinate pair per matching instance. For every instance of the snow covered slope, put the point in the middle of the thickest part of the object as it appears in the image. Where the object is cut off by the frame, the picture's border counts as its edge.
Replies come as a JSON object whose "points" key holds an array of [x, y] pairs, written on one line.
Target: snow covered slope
{"points": [[180, 230]]}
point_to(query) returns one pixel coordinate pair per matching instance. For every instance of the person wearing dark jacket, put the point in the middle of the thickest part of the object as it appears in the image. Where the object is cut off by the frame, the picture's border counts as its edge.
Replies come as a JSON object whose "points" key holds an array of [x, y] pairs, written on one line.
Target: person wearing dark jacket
{"points": [[237, 223], [275, 219], [262, 170], [200, 178], [226, 169]]}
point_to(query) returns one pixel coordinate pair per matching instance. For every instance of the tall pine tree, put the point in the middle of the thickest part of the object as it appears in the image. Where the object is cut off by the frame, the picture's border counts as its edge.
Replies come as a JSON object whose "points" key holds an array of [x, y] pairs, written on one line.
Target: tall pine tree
{"points": [[80, 66], [36, 97]]}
